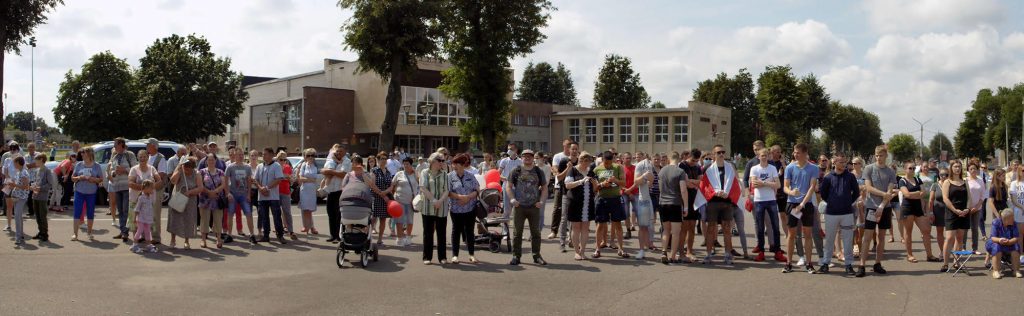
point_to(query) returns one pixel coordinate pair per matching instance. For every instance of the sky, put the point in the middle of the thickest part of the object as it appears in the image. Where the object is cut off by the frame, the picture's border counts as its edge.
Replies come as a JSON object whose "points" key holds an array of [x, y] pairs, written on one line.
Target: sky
{"points": [[901, 59]]}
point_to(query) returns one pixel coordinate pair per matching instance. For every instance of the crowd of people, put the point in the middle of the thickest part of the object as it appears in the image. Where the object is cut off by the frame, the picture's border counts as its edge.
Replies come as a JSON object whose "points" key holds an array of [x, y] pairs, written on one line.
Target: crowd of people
{"points": [[842, 206]]}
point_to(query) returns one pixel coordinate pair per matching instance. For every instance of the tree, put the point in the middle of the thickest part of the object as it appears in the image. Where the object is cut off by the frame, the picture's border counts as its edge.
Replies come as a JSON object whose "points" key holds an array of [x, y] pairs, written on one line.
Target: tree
{"points": [[390, 37], [778, 103], [18, 20], [939, 143], [100, 102], [814, 103], [736, 93], [542, 83], [902, 147], [187, 93], [22, 121], [479, 38], [618, 87], [852, 129], [658, 105]]}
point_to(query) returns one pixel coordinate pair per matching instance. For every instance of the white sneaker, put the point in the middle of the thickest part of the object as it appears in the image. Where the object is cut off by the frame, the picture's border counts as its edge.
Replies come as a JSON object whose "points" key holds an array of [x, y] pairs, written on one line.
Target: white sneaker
{"points": [[408, 241], [1022, 259], [135, 248], [640, 255], [455, 259], [7, 228], [113, 223], [801, 262], [152, 249]]}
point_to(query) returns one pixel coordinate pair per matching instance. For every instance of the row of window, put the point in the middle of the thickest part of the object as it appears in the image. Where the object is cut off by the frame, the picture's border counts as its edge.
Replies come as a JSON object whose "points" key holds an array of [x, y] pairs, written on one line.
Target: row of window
{"points": [[530, 120], [535, 146], [680, 126]]}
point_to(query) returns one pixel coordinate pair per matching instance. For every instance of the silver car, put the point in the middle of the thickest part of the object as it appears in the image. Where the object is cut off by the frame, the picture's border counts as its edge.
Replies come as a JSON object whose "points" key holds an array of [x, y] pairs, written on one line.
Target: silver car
{"points": [[104, 151]]}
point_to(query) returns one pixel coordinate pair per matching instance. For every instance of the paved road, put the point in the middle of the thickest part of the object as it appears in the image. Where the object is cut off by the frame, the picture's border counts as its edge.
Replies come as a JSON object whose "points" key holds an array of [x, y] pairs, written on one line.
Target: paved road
{"points": [[104, 278]]}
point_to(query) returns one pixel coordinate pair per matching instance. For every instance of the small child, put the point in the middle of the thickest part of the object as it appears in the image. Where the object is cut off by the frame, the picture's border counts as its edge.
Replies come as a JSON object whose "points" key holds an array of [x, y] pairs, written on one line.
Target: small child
{"points": [[144, 217]]}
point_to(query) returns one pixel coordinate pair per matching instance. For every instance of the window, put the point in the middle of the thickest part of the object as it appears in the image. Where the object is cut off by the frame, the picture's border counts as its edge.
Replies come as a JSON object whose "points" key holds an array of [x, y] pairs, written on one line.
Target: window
{"points": [[725, 123], [643, 129], [607, 130], [293, 118], [532, 146], [545, 121], [517, 119], [544, 146], [682, 129], [415, 103], [661, 129], [626, 130], [590, 133], [574, 130], [706, 120], [531, 120]]}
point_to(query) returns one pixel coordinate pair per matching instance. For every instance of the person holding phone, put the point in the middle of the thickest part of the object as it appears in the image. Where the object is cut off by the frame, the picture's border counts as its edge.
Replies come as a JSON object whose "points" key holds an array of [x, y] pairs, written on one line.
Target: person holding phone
{"points": [[801, 180], [880, 182]]}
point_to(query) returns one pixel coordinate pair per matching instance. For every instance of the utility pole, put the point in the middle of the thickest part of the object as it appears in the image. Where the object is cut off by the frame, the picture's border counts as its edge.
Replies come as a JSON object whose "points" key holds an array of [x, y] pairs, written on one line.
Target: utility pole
{"points": [[920, 148], [32, 42]]}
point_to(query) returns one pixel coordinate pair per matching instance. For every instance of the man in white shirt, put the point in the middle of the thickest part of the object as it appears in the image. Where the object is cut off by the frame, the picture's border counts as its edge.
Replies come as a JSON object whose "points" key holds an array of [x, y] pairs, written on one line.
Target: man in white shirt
{"points": [[335, 169], [394, 163], [158, 161]]}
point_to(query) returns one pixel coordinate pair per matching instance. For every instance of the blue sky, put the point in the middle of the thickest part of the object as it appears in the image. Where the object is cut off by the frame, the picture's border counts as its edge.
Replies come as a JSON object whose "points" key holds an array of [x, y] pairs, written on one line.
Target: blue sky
{"points": [[901, 59]]}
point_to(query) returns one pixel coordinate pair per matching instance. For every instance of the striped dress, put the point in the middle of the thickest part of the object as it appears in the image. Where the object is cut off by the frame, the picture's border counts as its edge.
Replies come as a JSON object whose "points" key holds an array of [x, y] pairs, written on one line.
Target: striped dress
{"points": [[436, 183], [382, 178]]}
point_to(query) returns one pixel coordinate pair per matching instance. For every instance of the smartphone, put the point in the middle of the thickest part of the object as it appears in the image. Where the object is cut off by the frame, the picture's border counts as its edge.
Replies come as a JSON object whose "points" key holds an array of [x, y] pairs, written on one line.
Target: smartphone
{"points": [[870, 216]]}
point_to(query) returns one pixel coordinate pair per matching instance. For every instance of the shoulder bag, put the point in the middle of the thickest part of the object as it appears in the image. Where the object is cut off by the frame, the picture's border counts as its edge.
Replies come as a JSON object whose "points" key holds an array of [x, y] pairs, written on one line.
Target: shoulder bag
{"points": [[179, 201]]}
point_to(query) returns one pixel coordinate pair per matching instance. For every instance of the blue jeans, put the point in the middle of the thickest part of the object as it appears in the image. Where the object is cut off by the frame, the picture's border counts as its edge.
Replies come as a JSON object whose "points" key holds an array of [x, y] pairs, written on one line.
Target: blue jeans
{"points": [[122, 211], [771, 210], [265, 209], [239, 199]]}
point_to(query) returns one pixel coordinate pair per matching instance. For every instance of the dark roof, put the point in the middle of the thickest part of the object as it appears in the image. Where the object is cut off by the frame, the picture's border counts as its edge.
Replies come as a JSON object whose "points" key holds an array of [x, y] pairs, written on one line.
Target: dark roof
{"points": [[248, 80]]}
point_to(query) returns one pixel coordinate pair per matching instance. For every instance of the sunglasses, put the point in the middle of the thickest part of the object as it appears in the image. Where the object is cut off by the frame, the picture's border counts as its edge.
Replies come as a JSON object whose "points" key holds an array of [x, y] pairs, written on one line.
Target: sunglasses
{"points": [[722, 152], [943, 175], [855, 163]]}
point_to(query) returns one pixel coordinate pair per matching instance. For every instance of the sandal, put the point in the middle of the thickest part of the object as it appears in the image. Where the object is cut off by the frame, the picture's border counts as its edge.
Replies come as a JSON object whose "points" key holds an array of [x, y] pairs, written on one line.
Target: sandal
{"points": [[74, 238], [623, 254], [578, 257], [597, 254], [945, 268], [911, 259], [933, 259], [664, 259]]}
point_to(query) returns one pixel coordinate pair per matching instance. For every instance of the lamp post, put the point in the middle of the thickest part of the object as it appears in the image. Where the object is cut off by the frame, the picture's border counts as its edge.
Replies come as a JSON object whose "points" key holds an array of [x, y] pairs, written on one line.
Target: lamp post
{"points": [[426, 109], [32, 42]]}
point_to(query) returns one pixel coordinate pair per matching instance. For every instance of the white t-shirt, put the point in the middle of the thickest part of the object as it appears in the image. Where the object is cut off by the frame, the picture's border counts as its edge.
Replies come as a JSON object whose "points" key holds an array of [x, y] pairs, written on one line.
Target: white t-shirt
{"points": [[506, 165], [1017, 193], [556, 161], [642, 167], [766, 174], [345, 166]]}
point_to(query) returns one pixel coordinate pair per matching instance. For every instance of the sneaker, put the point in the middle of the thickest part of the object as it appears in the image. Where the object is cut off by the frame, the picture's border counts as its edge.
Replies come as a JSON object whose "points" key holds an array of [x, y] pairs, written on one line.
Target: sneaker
{"points": [[760, 257], [113, 223], [539, 260], [810, 269], [561, 247], [728, 260], [877, 268], [996, 275], [801, 261], [707, 260], [788, 268], [823, 269], [1022, 259], [629, 234], [514, 262], [860, 272], [758, 250], [849, 270], [135, 248], [400, 242], [7, 228], [1019, 275], [552, 235], [455, 259], [780, 257], [151, 249]]}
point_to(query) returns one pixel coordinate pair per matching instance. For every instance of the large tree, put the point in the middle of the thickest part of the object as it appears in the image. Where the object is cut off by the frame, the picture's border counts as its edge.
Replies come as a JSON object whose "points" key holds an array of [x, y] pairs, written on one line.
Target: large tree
{"points": [[736, 93], [779, 105], [852, 128], [18, 21], [618, 87], [938, 144], [390, 37], [479, 38], [814, 103], [22, 121], [100, 103], [187, 92], [902, 147], [543, 83]]}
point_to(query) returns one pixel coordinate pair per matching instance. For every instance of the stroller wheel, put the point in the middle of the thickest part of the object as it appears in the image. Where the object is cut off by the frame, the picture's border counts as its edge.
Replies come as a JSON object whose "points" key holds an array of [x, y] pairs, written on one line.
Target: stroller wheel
{"points": [[341, 258], [494, 246], [364, 259], [376, 251]]}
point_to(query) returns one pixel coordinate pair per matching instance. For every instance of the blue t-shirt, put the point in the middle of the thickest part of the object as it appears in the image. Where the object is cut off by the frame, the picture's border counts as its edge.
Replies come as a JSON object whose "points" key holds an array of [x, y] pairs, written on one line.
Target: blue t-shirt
{"points": [[800, 178], [265, 174], [86, 187]]}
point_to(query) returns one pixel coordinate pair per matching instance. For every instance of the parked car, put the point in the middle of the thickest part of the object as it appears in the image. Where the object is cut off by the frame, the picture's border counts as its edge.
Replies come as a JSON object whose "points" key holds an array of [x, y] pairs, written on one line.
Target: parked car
{"points": [[295, 160], [105, 150]]}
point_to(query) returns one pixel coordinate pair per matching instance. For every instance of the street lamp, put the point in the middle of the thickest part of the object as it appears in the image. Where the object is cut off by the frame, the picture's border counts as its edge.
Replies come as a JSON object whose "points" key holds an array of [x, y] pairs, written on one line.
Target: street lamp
{"points": [[426, 109], [32, 42]]}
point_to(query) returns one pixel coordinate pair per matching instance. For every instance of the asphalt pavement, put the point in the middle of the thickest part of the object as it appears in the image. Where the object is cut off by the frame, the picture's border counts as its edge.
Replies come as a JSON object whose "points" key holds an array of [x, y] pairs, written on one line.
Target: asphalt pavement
{"points": [[301, 278]]}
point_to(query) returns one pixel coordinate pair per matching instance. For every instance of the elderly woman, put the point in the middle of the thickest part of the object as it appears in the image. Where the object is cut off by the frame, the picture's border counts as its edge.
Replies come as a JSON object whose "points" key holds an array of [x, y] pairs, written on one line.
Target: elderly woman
{"points": [[405, 186], [186, 181], [139, 173], [462, 192], [306, 176], [1004, 241], [87, 175], [213, 202], [434, 207], [382, 179]]}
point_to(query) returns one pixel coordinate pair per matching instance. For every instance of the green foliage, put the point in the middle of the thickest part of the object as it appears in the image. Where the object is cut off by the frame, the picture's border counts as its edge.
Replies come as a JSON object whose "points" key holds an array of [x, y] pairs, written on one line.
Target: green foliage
{"points": [[852, 129], [778, 103], [815, 103], [736, 93], [22, 121], [18, 21], [939, 143], [390, 36], [479, 38], [100, 102], [618, 87], [902, 147], [20, 138], [658, 105], [187, 93], [543, 83]]}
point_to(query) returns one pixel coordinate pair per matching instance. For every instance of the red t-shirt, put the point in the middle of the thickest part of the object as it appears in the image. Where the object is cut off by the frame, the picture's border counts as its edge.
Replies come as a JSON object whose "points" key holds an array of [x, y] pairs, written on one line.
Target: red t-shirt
{"points": [[630, 171], [286, 185]]}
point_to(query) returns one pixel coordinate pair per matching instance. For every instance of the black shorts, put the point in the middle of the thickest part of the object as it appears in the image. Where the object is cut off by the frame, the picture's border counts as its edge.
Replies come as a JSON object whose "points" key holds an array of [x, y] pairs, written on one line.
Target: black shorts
{"points": [[671, 213], [806, 217], [718, 212], [610, 210], [884, 223], [939, 211], [913, 208], [954, 222], [692, 215]]}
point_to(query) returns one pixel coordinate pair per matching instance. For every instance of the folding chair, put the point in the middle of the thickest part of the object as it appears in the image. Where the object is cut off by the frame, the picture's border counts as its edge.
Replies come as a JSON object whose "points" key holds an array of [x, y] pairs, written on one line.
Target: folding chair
{"points": [[960, 259]]}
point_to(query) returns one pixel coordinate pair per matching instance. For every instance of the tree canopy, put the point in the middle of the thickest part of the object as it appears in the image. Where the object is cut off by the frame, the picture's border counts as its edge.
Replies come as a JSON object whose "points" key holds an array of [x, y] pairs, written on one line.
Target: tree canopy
{"points": [[543, 83], [100, 103], [22, 121], [938, 144], [736, 93], [18, 21], [852, 129], [902, 147], [790, 108], [618, 87]]}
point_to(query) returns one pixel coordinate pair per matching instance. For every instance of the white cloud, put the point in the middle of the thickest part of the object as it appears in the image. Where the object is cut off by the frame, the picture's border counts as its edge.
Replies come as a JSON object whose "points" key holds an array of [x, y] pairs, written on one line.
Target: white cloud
{"points": [[887, 16], [943, 57], [806, 45]]}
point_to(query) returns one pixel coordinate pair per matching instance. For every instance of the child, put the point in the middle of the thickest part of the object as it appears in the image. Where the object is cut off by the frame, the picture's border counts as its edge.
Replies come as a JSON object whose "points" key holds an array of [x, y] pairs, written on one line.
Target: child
{"points": [[1004, 241], [41, 185], [19, 184], [144, 217]]}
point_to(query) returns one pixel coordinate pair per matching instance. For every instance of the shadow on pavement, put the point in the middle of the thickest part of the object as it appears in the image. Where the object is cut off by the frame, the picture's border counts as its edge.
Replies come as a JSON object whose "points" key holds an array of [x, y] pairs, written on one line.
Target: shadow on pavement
{"points": [[50, 245], [229, 251], [201, 254], [386, 264], [105, 245]]}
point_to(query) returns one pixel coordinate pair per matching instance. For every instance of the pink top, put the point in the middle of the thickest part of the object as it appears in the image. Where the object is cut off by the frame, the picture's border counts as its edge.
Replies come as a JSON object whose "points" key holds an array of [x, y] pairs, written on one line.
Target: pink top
{"points": [[977, 192]]}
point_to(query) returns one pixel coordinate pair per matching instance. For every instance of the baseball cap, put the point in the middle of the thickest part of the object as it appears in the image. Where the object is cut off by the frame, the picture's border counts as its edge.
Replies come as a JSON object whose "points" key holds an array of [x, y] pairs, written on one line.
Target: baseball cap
{"points": [[526, 152], [153, 141]]}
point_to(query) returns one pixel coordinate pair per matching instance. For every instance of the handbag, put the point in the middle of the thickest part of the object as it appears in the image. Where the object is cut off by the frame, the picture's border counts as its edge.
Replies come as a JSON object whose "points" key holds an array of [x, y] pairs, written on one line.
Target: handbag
{"points": [[178, 200], [419, 201]]}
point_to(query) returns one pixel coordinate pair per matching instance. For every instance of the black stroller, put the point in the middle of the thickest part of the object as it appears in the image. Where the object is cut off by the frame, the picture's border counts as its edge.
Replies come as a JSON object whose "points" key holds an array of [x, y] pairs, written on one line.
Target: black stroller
{"points": [[355, 231], [489, 214]]}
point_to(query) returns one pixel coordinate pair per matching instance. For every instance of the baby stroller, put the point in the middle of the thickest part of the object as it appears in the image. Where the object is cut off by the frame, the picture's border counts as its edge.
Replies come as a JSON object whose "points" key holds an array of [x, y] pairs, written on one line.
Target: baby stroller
{"points": [[356, 212], [488, 215]]}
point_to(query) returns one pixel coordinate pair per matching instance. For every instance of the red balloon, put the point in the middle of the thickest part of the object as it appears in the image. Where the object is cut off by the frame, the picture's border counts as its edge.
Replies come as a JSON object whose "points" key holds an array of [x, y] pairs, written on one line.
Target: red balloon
{"points": [[395, 209], [494, 185], [492, 176]]}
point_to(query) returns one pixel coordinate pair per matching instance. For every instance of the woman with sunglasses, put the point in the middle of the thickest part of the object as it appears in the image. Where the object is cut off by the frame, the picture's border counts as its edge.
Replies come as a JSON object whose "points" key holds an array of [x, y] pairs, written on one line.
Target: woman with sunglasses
{"points": [[182, 223], [307, 179], [87, 175], [956, 197], [937, 210], [434, 208], [913, 213]]}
